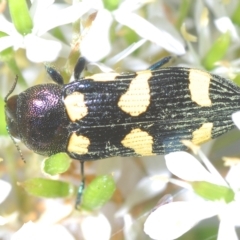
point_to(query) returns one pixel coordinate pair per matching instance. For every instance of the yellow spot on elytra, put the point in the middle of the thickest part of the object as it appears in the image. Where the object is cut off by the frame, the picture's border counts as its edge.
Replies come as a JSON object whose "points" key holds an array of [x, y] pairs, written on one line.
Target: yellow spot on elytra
{"points": [[137, 98], [203, 134], [103, 77], [140, 141], [75, 106], [199, 87], [78, 144]]}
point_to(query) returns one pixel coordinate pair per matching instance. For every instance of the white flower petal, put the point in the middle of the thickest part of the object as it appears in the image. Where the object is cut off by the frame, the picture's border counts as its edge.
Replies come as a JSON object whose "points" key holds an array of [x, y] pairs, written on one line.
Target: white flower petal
{"points": [[172, 220], [55, 211], [95, 4], [38, 6], [6, 42], [147, 188], [5, 190], [233, 177], [126, 52], [26, 232], [96, 45], [14, 38], [53, 18], [96, 67], [3, 221], [41, 50], [226, 230], [236, 119], [231, 212], [235, 216], [65, 48], [187, 167], [133, 5], [148, 31], [56, 231], [224, 24], [96, 227], [6, 26], [30, 231]]}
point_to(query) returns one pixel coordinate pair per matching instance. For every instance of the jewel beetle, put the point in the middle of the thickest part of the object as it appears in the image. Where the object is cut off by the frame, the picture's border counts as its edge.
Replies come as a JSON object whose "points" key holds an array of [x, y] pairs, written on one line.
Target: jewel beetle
{"points": [[104, 115]]}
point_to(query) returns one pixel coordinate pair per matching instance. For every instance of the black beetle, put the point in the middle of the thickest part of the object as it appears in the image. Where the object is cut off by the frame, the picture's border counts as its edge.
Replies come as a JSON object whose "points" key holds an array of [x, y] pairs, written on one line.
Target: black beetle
{"points": [[131, 114]]}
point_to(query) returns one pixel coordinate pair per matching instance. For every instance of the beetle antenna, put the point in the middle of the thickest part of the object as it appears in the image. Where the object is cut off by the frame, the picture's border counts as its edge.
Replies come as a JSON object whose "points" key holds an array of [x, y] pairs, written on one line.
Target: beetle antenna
{"points": [[81, 187], [12, 89], [16, 145], [5, 100]]}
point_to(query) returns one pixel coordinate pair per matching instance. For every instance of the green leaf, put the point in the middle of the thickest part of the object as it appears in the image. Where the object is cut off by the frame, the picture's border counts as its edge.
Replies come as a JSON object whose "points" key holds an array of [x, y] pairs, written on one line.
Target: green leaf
{"points": [[6, 54], [20, 16], [56, 164], [217, 51], [236, 15], [99, 191], [213, 192], [111, 4], [48, 188], [129, 35], [237, 80], [3, 129], [185, 6]]}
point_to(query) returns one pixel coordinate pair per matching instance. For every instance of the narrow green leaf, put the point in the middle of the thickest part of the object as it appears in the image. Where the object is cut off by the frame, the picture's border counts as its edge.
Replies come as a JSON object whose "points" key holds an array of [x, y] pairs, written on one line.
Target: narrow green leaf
{"points": [[213, 192], [48, 188], [20, 16], [99, 191], [236, 15], [56, 164], [183, 12], [217, 51]]}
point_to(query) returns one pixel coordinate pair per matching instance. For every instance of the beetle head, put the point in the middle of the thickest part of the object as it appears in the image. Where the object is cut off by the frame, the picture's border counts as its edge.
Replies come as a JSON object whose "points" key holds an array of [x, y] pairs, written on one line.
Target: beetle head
{"points": [[37, 117]]}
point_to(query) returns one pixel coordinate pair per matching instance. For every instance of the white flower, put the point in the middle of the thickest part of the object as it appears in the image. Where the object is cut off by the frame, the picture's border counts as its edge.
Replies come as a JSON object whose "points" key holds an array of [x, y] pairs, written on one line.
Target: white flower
{"points": [[145, 29], [236, 119], [5, 190], [30, 231], [172, 220], [96, 45], [96, 227], [41, 46]]}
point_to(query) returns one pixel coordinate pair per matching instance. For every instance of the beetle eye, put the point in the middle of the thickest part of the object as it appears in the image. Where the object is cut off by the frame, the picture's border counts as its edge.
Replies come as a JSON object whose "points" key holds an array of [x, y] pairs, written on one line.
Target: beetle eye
{"points": [[11, 116]]}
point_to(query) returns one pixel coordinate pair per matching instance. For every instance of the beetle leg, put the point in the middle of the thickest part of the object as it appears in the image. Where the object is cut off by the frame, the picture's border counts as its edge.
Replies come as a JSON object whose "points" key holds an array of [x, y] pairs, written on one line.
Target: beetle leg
{"points": [[81, 187], [80, 65], [55, 75]]}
